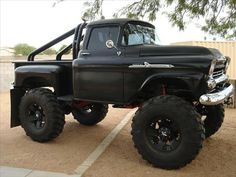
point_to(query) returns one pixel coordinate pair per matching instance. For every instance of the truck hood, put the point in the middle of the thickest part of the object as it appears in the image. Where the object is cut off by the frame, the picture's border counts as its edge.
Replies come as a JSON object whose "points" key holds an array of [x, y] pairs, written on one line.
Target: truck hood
{"points": [[152, 50], [180, 56]]}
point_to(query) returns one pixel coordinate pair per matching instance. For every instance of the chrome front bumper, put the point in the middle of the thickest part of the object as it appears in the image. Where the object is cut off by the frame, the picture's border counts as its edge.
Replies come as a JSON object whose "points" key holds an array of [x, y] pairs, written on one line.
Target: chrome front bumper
{"points": [[218, 97]]}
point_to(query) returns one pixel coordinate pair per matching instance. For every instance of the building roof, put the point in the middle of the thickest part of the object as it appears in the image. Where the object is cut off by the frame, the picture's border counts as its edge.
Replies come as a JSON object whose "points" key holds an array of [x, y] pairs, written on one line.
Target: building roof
{"points": [[6, 51]]}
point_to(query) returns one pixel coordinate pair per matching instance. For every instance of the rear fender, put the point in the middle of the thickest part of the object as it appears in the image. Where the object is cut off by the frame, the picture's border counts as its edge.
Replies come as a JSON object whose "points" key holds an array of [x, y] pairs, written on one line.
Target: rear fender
{"points": [[34, 76]]}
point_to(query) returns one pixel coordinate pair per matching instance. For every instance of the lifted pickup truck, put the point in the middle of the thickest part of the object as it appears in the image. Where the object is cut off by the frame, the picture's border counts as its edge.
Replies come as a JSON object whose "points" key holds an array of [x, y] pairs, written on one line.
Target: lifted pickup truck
{"points": [[179, 90]]}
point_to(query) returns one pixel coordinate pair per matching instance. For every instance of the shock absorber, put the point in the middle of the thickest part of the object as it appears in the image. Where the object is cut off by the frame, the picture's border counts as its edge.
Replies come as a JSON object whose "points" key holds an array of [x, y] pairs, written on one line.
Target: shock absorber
{"points": [[164, 89]]}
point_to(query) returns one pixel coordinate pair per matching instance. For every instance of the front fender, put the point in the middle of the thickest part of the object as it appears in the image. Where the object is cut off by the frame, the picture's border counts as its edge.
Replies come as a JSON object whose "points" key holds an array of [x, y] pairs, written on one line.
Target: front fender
{"points": [[189, 81]]}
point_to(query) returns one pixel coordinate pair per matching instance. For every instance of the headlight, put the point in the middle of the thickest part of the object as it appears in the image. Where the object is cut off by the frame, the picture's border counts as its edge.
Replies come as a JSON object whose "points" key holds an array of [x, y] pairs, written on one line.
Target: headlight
{"points": [[212, 67], [227, 62], [211, 83]]}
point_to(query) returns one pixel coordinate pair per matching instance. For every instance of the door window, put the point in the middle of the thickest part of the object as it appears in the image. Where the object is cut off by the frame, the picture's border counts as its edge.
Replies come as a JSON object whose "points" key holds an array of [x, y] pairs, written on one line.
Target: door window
{"points": [[100, 35]]}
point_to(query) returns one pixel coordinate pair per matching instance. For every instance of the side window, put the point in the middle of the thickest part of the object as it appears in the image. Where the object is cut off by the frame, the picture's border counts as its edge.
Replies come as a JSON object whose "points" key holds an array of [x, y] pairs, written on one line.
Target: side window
{"points": [[100, 35]]}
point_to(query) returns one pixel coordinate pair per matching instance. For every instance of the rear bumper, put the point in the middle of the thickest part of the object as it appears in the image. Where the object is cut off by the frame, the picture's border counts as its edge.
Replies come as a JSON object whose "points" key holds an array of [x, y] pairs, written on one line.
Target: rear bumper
{"points": [[218, 97]]}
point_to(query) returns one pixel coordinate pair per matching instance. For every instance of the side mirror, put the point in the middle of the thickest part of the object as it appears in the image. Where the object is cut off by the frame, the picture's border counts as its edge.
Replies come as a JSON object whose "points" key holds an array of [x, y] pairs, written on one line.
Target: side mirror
{"points": [[109, 44]]}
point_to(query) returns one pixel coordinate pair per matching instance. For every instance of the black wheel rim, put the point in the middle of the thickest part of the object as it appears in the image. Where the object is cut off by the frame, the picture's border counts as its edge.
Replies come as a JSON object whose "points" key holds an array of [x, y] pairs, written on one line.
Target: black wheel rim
{"points": [[36, 116], [163, 134], [87, 109]]}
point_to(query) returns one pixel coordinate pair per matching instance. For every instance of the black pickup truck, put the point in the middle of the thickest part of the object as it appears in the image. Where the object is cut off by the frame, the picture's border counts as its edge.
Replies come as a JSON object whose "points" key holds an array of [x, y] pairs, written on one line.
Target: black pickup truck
{"points": [[179, 90]]}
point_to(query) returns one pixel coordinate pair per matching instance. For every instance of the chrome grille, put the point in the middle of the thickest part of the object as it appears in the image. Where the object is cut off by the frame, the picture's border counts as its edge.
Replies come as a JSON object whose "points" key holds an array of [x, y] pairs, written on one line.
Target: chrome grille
{"points": [[218, 73], [219, 70]]}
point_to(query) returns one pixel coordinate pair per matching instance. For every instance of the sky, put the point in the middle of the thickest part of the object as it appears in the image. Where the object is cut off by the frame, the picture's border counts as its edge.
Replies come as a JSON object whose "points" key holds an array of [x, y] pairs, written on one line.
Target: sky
{"points": [[36, 22]]}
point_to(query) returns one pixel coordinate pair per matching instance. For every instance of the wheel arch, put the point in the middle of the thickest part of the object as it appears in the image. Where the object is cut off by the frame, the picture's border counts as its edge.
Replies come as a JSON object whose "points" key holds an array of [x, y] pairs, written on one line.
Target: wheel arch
{"points": [[35, 82], [175, 83], [161, 79]]}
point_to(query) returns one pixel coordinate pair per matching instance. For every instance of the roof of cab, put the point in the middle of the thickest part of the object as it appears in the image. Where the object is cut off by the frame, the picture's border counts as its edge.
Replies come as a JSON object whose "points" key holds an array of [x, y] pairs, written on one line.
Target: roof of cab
{"points": [[119, 21]]}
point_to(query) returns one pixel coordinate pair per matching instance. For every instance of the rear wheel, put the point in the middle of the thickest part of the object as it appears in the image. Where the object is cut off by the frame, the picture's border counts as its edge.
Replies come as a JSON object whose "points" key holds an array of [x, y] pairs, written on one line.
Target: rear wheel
{"points": [[91, 114], [167, 132], [41, 115]]}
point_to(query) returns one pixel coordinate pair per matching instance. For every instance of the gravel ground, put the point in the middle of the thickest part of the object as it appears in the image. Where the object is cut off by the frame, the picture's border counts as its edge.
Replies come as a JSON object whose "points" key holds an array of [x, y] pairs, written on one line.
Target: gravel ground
{"points": [[63, 154], [217, 157], [72, 147]]}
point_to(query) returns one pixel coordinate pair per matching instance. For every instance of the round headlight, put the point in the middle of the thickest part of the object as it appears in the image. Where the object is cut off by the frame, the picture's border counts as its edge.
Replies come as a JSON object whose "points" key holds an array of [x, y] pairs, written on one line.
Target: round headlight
{"points": [[211, 83], [212, 67]]}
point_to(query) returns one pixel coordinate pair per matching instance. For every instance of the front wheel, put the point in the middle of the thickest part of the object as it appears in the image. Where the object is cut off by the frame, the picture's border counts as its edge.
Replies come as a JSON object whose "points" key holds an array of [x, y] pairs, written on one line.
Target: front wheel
{"points": [[91, 114], [167, 132], [214, 119]]}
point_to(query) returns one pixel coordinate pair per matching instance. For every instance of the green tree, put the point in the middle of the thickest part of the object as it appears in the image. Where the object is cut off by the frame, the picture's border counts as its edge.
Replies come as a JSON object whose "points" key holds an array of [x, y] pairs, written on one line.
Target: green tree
{"points": [[215, 16], [23, 49], [50, 51], [62, 47]]}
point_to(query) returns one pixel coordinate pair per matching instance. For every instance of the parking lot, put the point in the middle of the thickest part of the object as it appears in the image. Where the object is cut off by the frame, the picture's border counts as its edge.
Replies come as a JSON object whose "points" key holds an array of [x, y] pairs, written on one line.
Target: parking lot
{"points": [[67, 152]]}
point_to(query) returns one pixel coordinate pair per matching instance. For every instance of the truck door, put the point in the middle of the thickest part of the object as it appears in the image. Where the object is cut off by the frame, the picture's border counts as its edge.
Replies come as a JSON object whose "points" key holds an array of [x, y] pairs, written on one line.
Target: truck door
{"points": [[98, 72]]}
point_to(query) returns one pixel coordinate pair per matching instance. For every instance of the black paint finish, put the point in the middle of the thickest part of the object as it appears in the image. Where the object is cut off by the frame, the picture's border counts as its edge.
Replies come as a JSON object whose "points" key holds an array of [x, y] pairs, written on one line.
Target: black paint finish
{"points": [[16, 95], [56, 74], [104, 75]]}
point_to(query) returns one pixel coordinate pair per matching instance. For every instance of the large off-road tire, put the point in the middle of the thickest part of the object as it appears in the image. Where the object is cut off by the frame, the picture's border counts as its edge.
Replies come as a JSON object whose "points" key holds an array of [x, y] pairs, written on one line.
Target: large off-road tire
{"points": [[91, 114], [167, 132], [41, 115], [214, 119]]}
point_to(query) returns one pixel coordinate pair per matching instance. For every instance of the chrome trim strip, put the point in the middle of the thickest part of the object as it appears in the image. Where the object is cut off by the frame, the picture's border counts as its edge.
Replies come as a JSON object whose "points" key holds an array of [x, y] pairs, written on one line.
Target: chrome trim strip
{"points": [[222, 78], [148, 65], [85, 53], [218, 97]]}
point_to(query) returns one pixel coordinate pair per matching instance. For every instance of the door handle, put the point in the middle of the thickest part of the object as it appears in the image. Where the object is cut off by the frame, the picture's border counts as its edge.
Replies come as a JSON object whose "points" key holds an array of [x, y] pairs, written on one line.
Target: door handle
{"points": [[85, 54]]}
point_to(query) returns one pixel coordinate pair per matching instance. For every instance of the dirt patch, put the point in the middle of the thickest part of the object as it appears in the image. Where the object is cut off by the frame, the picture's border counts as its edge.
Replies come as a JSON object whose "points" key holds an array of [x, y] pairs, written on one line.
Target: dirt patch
{"points": [[217, 157], [72, 147], [63, 154]]}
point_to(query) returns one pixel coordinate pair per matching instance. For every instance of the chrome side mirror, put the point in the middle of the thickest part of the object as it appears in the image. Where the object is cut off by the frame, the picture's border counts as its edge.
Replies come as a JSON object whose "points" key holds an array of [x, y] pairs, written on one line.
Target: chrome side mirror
{"points": [[109, 44]]}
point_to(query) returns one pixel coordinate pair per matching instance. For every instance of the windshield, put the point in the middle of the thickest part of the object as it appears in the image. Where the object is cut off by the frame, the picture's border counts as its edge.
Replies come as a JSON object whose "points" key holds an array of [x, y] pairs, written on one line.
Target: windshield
{"points": [[136, 34]]}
